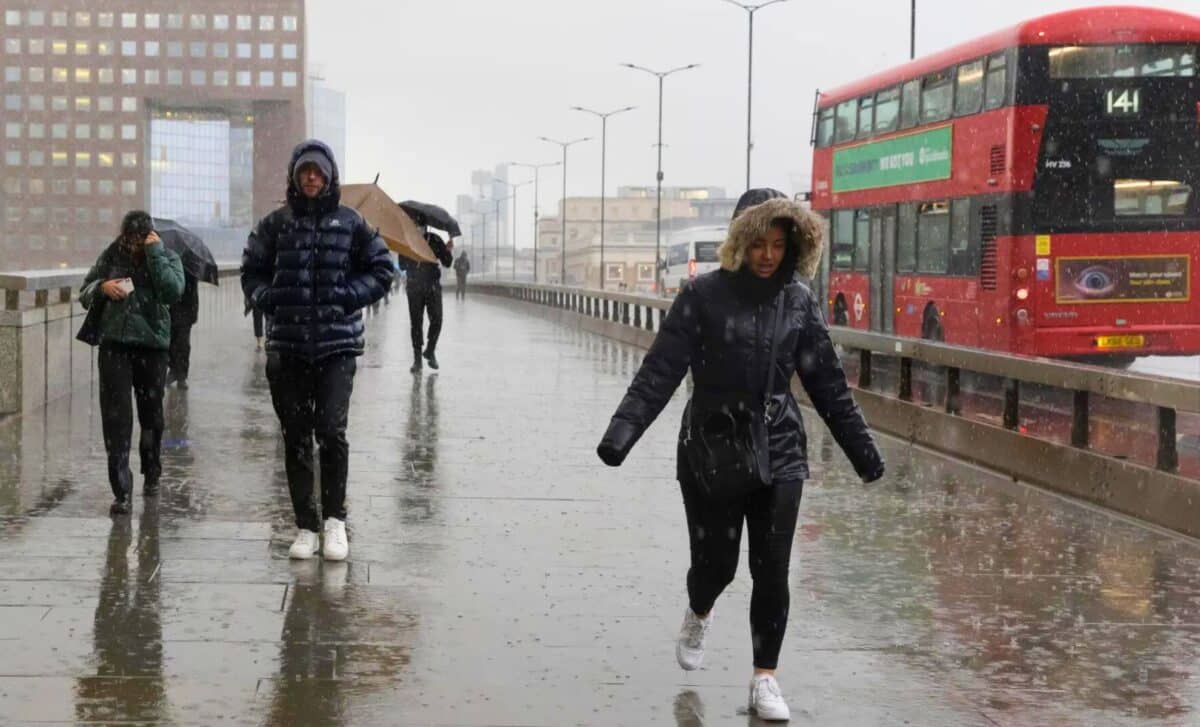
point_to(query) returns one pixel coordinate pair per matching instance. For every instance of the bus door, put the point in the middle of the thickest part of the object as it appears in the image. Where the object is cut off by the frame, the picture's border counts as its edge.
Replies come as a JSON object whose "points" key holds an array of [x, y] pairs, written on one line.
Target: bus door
{"points": [[883, 255]]}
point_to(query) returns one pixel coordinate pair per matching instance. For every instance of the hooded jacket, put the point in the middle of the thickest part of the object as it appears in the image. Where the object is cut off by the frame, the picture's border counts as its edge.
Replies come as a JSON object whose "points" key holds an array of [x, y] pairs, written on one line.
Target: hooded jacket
{"points": [[313, 265], [143, 319], [719, 327]]}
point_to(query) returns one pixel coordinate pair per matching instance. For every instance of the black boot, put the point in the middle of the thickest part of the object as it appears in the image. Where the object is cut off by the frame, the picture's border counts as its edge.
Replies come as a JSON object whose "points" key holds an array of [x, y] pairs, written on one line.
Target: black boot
{"points": [[150, 487], [416, 367], [432, 359], [120, 479]]}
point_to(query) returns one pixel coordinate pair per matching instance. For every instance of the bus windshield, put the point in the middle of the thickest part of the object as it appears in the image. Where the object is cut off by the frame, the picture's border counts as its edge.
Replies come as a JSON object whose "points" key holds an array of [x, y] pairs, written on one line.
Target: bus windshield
{"points": [[1123, 61]]}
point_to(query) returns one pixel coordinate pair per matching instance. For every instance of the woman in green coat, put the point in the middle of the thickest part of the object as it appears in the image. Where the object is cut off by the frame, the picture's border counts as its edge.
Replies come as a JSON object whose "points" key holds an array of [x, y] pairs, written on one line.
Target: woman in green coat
{"points": [[135, 280]]}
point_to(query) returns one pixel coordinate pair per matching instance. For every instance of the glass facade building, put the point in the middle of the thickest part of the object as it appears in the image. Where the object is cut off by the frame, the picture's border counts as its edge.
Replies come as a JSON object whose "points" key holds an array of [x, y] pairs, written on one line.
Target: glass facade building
{"points": [[187, 109]]}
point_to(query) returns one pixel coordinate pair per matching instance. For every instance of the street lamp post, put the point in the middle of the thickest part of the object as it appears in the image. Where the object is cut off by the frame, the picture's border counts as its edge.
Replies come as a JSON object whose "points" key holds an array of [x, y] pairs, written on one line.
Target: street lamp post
{"points": [[750, 11], [498, 200], [658, 206], [536, 168], [603, 116], [512, 194], [912, 32], [562, 275]]}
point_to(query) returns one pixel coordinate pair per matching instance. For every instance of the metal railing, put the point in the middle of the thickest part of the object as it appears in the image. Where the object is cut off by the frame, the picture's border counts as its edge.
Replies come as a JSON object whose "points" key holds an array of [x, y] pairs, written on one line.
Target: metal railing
{"points": [[1169, 397]]}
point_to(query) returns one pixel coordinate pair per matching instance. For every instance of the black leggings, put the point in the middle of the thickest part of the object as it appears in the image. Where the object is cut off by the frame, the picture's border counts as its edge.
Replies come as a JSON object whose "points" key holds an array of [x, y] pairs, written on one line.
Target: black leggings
{"points": [[142, 371], [715, 534]]}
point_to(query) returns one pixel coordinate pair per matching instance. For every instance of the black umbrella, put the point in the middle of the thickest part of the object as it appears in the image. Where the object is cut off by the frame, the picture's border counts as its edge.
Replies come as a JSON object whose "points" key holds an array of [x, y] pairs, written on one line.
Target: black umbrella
{"points": [[197, 259], [431, 215]]}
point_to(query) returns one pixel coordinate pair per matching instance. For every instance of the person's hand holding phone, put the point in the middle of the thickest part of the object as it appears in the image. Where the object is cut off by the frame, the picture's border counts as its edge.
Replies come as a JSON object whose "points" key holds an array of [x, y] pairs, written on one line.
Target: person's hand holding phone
{"points": [[117, 289], [153, 238]]}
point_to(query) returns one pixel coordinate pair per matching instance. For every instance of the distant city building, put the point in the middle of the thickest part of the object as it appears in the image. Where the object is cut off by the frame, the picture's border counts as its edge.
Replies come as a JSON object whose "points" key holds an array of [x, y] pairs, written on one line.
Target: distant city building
{"points": [[483, 228], [326, 113], [189, 109], [629, 233]]}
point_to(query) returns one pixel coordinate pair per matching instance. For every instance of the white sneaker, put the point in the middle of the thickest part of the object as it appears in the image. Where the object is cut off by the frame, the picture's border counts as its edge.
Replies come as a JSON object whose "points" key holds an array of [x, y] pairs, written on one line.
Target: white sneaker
{"points": [[336, 545], [305, 546], [689, 649], [766, 700]]}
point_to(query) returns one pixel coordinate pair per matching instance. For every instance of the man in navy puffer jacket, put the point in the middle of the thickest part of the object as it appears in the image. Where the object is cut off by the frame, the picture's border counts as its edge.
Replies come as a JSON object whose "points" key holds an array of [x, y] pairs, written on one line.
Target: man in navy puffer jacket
{"points": [[312, 266]]}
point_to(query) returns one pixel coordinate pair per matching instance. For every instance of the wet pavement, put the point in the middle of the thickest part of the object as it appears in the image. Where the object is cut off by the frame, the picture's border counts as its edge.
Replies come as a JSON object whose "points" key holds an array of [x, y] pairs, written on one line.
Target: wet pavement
{"points": [[500, 575]]}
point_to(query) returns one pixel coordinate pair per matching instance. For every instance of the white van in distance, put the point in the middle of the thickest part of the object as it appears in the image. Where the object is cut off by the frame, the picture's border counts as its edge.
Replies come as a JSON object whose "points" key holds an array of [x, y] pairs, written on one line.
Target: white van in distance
{"points": [[691, 252]]}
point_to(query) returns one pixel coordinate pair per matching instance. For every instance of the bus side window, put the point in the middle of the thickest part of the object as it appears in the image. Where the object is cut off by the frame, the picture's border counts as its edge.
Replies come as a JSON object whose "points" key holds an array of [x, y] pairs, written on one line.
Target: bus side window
{"points": [[862, 241], [969, 98], [933, 237], [910, 104], [847, 121], [843, 239], [825, 128], [937, 96], [866, 116], [963, 259], [887, 110], [996, 86], [906, 239]]}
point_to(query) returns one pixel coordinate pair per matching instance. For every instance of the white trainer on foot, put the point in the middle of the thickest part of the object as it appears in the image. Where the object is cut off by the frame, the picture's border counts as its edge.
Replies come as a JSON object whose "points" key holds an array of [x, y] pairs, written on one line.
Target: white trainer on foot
{"points": [[305, 546], [336, 545], [766, 700], [689, 648]]}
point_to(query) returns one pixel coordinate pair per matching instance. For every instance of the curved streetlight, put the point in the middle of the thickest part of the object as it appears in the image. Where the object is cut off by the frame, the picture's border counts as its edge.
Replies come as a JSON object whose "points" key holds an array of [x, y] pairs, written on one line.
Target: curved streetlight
{"points": [[562, 275], [512, 194], [751, 9], [603, 116], [658, 207], [536, 169]]}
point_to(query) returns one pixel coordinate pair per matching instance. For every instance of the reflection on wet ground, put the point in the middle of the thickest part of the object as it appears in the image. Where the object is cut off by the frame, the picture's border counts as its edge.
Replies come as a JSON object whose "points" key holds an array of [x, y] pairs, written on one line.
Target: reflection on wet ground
{"points": [[499, 576]]}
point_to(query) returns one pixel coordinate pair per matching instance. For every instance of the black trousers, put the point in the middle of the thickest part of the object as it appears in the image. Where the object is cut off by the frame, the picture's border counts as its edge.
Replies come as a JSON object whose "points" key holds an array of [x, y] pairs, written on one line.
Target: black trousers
{"points": [[715, 534], [142, 372], [314, 399], [180, 354], [461, 290], [420, 300], [258, 322]]}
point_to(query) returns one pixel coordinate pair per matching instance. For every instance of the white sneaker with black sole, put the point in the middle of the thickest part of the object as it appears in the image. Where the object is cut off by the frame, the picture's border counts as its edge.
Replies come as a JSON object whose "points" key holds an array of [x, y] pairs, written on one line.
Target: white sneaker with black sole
{"points": [[336, 545], [689, 648], [766, 699], [305, 545]]}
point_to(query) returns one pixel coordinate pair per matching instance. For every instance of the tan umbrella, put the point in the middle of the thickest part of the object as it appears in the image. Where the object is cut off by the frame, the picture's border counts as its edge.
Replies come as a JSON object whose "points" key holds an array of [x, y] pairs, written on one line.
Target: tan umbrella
{"points": [[396, 227]]}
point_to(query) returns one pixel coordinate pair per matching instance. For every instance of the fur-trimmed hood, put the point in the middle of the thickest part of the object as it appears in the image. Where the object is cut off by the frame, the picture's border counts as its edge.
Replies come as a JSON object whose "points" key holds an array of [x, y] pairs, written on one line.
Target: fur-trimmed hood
{"points": [[806, 239]]}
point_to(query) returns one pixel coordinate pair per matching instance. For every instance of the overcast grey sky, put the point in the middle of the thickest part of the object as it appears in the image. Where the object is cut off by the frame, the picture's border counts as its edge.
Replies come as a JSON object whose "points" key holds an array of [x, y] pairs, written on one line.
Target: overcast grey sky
{"points": [[437, 88]]}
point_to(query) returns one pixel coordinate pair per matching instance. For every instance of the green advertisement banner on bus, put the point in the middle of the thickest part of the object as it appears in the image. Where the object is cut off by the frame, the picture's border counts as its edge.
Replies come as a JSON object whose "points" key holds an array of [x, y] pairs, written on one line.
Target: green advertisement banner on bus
{"points": [[921, 157]]}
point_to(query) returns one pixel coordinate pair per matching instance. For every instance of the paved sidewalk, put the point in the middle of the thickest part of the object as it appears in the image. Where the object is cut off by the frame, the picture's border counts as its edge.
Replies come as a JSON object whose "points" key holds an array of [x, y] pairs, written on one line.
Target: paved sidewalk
{"points": [[500, 575]]}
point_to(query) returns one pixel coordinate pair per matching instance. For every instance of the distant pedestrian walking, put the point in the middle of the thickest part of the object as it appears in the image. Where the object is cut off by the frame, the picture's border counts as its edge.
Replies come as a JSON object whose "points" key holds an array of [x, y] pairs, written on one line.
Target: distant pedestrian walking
{"points": [[462, 267], [184, 314], [741, 456], [424, 290], [311, 266], [127, 293]]}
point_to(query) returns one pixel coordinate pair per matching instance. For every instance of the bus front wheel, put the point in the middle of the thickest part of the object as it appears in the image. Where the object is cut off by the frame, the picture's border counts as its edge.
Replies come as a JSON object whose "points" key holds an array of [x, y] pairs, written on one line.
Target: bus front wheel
{"points": [[931, 326]]}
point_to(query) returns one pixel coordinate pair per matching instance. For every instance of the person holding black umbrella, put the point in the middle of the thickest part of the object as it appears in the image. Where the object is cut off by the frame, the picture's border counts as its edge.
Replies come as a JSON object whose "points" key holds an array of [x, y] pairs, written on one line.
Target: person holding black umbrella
{"points": [[424, 280], [127, 293], [184, 314], [311, 267]]}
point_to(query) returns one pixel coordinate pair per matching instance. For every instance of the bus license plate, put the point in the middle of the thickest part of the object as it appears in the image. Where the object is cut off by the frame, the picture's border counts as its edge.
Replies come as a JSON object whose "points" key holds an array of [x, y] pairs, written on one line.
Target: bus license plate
{"points": [[1120, 341]]}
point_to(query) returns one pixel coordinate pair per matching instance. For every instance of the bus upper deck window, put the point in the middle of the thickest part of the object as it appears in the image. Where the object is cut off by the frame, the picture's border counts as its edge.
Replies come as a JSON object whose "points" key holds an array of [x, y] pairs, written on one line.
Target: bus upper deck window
{"points": [[847, 121], [969, 98], [887, 110], [1123, 61], [866, 116], [825, 127], [937, 97], [910, 104], [1150, 198], [996, 85]]}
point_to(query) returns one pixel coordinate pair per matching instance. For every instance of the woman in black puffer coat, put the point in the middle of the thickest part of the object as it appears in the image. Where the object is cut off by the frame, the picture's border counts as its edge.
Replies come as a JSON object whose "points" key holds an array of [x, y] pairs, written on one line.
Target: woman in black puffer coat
{"points": [[719, 327]]}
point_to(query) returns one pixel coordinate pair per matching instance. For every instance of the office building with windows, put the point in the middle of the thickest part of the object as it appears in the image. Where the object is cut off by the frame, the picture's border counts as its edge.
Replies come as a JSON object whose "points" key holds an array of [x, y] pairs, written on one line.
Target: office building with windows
{"points": [[187, 109]]}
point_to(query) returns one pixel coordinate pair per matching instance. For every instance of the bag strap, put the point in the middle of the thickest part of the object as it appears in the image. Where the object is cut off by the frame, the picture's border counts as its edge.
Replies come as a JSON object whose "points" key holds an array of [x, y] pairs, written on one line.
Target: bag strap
{"points": [[779, 301]]}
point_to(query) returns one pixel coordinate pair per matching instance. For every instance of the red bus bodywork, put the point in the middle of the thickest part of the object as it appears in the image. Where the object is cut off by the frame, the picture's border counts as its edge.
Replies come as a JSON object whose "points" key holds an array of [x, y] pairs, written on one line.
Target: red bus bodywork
{"points": [[997, 153]]}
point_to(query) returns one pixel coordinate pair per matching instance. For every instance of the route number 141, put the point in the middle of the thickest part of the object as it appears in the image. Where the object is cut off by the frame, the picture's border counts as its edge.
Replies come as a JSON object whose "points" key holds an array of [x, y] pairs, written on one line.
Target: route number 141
{"points": [[1124, 102]]}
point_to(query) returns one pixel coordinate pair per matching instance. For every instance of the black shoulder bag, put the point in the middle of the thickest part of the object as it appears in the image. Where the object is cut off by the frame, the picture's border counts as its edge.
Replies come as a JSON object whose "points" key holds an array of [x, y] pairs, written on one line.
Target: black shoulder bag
{"points": [[726, 442]]}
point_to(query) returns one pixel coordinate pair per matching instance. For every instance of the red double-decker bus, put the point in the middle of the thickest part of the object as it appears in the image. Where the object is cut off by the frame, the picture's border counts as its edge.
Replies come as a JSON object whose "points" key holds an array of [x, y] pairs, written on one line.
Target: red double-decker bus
{"points": [[1036, 190]]}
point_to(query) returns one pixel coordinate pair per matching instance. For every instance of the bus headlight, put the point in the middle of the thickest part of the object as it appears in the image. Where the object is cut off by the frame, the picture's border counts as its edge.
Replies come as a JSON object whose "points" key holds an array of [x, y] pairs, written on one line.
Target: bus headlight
{"points": [[1022, 316], [1022, 293]]}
